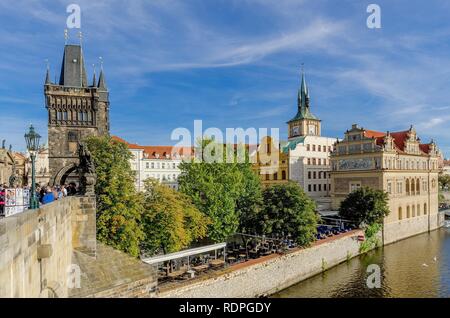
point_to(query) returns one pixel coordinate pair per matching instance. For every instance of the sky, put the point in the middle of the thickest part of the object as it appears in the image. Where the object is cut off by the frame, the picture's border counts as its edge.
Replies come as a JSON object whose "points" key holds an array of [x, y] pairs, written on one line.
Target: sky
{"points": [[235, 63]]}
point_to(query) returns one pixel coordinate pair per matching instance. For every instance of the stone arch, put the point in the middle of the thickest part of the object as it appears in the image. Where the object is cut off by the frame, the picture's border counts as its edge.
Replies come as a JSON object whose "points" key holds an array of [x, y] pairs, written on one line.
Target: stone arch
{"points": [[62, 176]]}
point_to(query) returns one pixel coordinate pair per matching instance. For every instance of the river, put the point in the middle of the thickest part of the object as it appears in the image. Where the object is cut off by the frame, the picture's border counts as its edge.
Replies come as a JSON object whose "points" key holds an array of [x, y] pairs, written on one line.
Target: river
{"points": [[415, 267]]}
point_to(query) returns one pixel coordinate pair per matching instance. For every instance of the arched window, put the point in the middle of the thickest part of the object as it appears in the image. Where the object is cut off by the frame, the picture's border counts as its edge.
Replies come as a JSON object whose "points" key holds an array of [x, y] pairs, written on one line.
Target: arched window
{"points": [[413, 187], [283, 175], [425, 211], [413, 210], [275, 176], [418, 186], [408, 212], [400, 213], [407, 186]]}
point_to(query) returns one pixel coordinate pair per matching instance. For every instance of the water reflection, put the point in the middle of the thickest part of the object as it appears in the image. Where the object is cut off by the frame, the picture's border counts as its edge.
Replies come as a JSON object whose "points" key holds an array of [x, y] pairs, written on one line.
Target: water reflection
{"points": [[416, 267]]}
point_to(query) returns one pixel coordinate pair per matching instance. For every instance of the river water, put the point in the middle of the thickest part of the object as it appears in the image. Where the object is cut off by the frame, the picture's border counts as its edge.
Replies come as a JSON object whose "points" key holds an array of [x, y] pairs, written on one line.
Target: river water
{"points": [[415, 267]]}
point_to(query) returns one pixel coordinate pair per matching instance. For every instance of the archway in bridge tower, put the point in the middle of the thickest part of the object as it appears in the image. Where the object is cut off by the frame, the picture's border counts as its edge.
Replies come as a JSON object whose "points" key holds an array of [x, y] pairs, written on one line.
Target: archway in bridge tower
{"points": [[68, 175]]}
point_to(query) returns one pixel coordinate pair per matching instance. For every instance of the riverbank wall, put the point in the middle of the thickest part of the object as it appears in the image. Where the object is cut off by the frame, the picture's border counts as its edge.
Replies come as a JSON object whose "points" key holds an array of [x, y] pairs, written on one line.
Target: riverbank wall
{"points": [[396, 231], [270, 274]]}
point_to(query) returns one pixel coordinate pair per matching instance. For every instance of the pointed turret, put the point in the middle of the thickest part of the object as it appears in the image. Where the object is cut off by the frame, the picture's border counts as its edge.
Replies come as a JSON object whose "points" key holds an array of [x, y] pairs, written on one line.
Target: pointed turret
{"points": [[47, 77], [101, 81], [94, 80], [73, 72]]}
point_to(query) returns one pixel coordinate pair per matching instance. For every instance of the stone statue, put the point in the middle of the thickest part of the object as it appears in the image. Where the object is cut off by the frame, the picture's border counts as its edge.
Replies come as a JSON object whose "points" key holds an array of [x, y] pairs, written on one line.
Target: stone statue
{"points": [[13, 178], [86, 170], [3, 143]]}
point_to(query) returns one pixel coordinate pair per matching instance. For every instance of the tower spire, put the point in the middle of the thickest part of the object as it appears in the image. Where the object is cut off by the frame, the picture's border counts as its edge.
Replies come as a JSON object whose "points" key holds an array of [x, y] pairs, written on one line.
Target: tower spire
{"points": [[101, 80], [303, 93], [94, 80], [47, 76]]}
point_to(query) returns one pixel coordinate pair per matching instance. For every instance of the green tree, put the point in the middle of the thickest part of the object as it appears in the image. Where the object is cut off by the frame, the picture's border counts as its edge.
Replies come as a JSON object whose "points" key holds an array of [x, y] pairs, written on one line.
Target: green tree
{"points": [[119, 206], [250, 201], [221, 189], [365, 206], [171, 221], [444, 181], [288, 210]]}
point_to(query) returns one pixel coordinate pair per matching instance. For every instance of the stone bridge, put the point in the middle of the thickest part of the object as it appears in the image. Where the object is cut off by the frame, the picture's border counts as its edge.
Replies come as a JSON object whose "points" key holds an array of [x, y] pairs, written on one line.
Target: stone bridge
{"points": [[53, 252]]}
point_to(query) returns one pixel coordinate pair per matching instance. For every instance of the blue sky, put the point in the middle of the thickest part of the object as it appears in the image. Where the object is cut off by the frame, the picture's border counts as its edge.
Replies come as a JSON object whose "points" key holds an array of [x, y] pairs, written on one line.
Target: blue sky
{"points": [[236, 63]]}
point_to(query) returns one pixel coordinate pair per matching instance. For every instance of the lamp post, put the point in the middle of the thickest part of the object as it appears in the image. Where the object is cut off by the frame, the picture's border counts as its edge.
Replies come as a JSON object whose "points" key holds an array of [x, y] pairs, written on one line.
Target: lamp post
{"points": [[32, 138]]}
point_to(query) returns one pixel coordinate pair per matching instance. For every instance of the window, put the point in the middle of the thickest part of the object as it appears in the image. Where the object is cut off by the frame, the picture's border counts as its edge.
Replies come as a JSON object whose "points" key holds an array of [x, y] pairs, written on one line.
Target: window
{"points": [[407, 186], [72, 136], [314, 175], [283, 175], [267, 177], [408, 214], [147, 165], [320, 187], [309, 161], [319, 148], [418, 186], [425, 211], [309, 174], [275, 176], [153, 165], [418, 210], [65, 117], [399, 188], [355, 186], [163, 165], [413, 211], [314, 147], [309, 187], [400, 214], [315, 188], [308, 147], [389, 187]]}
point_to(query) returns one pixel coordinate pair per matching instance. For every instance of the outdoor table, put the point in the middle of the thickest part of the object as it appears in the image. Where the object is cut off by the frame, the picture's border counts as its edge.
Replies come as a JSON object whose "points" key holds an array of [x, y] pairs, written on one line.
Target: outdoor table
{"points": [[200, 268], [217, 263], [231, 259], [176, 274]]}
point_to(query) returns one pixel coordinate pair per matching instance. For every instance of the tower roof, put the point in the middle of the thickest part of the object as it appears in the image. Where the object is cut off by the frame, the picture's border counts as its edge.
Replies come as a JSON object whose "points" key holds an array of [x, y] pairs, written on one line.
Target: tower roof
{"points": [[303, 111], [47, 77], [101, 81], [73, 72]]}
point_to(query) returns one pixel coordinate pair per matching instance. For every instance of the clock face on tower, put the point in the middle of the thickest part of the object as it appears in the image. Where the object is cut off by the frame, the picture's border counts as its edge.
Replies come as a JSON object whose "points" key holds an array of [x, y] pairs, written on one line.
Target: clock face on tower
{"points": [[295, 131], [312, 129]]}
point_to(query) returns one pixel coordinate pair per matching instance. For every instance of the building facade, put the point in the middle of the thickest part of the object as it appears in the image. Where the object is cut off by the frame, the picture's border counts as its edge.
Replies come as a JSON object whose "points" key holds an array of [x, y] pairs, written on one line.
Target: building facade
{"points": [[270, 162], [76, 110], [397, 163], [6, 165], [160, 163], [42, 167]]}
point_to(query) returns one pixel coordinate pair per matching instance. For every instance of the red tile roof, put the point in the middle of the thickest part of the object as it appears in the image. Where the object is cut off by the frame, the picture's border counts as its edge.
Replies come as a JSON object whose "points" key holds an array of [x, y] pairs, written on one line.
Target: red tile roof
{"points": [[399, 139], [158, 152]]}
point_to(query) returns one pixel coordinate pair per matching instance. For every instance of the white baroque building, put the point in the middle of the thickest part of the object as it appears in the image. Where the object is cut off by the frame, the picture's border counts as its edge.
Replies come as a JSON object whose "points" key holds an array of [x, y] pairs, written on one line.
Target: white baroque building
{"points": [[157, 162]]}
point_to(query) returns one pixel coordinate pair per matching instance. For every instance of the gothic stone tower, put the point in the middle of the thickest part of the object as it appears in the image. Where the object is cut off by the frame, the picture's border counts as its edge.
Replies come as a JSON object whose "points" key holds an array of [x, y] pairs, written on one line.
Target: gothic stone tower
{"points": [[76, 110]]}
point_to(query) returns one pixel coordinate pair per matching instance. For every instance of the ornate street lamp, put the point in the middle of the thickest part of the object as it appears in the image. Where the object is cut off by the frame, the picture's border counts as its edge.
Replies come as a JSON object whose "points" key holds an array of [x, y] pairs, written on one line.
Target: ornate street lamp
{"points": [[32, 138]]}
